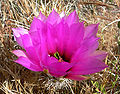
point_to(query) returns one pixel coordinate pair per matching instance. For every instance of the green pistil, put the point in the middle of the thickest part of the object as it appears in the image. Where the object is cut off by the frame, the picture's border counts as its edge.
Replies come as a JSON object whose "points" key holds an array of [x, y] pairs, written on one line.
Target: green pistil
{"points": [[56, 55]]}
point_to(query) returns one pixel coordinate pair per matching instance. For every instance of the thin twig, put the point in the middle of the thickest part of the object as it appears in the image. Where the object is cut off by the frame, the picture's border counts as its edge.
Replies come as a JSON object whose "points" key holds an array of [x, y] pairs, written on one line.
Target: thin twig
{"points": [[70, 87], [96, 3], [110, 24]]}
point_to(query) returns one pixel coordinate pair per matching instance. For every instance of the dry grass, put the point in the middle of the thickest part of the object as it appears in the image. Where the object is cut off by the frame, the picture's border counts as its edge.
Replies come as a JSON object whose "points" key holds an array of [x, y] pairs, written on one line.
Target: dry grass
{"points": [[15, 79]]}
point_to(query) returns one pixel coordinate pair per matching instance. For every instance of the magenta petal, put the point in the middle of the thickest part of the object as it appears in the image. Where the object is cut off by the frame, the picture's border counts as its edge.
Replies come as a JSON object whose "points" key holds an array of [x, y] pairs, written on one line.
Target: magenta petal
{"points": [[23, 60], [19, 53], [91, 43], [91, 31], [43, 51], [30, 49], [62, 37], [37, 29], [22, 37], [58, 69], [18, 32], [100, 55], [35, 37], [37, 51], [62, 14], [85, 50], [51, 40], [27, 41], [33, 55], [72, 18], [88, 66], [74, 37], [28, 64], [75, 77], [42, 17], [53, 17], [35, 25]]}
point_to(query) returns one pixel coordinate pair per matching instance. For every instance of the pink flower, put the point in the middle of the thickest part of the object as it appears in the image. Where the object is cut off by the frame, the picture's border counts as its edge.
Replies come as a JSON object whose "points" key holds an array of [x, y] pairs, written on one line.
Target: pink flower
{"points": [[60, 44]]}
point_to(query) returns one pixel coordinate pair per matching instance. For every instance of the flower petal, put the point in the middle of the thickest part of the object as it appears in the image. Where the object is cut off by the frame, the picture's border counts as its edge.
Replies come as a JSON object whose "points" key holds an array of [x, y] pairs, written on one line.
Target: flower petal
{"points": [[86, 49], [88, 66], [72, 18], [27, 41], [33, 55], [19, 53], [27, 44], [91, 31], [73, 38], [58, 69], [37, 29], [35, 25], [51, 39], [42, 17], [62, 29], [24, 60], [101, 55], [88, 60], [18, 32], [22, 37], [31, 50], [38, 35], [75, 77], [53, 17], [62, 14], [28, 64]]}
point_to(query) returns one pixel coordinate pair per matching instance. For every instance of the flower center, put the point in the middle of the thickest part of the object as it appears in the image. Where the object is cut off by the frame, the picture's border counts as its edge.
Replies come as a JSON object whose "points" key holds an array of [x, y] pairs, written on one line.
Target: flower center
{"points": [[56, 55]]}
